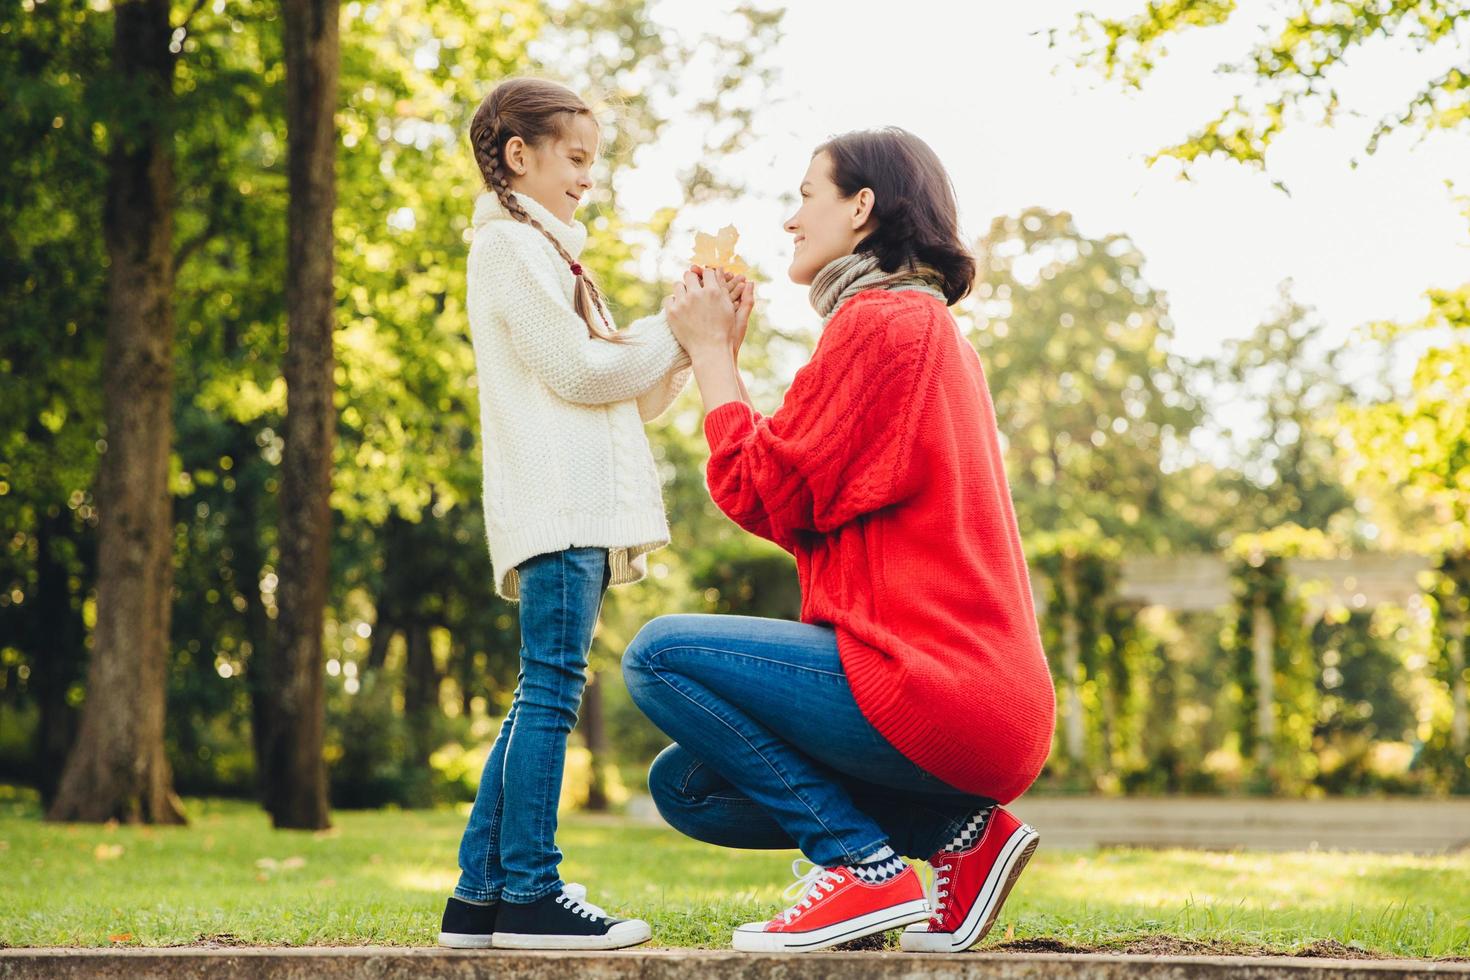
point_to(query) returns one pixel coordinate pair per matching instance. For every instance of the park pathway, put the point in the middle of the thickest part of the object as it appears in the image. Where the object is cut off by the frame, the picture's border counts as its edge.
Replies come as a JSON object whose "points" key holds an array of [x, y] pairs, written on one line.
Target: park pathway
{"points": [[1211, 823]]}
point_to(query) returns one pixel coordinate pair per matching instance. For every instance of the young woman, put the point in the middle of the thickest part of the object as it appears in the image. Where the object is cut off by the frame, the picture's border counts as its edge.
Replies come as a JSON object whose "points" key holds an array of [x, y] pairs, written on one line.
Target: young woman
{"points": [[913, 697]]}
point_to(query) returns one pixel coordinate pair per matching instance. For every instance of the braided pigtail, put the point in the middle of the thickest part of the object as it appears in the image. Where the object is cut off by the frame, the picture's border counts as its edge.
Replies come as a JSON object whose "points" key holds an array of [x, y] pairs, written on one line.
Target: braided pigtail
{"points": [[489, 132]]}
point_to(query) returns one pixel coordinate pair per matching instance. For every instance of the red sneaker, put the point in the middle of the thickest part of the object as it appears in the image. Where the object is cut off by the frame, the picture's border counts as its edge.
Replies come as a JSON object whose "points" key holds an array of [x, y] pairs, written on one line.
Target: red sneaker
{"points": [[836, 906], [970, 886]]}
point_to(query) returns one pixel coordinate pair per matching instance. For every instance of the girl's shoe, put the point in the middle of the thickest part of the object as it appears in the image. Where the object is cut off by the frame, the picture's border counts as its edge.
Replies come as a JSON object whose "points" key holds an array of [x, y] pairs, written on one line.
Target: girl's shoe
{"points": [[971, 885], [565, 920], [466, 925], [836, 906]]}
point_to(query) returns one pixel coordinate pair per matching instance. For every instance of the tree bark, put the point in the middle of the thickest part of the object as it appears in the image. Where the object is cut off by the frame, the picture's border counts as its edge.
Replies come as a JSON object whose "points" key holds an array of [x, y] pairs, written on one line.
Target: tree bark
{"points": [[58, 634], [1072, 666], [1459, 713], [297, 795], [593, 723], [117, 768], [248, 563], [1263, 659], [420, 691]]}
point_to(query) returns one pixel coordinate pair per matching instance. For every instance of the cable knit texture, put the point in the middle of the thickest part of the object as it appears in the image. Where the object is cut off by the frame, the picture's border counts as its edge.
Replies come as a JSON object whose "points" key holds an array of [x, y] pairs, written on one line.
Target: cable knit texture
{"points": [[566, 461], [882, 473]]}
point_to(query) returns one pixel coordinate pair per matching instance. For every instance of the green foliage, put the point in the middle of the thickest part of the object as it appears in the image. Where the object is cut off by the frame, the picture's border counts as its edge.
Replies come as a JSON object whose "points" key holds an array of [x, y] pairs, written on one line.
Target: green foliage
{"points": [[1294, 66], [1092, 404], [1284, 382], [1411, 449]]}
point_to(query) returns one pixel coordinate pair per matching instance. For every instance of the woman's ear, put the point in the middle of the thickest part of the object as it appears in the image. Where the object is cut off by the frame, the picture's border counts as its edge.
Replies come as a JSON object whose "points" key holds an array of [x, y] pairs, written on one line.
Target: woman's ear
{"points": [[862, 210], [514, 155]]}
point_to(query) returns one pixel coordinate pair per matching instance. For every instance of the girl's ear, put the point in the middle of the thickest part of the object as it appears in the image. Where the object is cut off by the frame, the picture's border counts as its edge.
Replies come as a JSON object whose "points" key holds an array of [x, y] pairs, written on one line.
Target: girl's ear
{"points": [[515, 155], [862, 208]]}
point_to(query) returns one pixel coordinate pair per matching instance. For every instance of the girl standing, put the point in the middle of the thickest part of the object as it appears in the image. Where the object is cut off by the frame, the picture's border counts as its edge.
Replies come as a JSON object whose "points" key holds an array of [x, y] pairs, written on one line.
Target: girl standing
{"points": [[571, 495]]}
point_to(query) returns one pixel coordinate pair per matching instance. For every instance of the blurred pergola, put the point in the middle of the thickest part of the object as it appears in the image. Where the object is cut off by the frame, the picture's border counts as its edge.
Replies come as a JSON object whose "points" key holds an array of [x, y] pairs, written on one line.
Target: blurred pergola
{"points": [[1202, 583]]}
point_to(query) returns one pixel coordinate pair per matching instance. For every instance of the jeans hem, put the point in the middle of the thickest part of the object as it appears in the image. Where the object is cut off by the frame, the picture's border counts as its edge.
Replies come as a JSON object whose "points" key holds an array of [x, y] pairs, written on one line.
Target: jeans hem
{"points": [[950, 833], [475, 895], [515, 898], [869, 851]]}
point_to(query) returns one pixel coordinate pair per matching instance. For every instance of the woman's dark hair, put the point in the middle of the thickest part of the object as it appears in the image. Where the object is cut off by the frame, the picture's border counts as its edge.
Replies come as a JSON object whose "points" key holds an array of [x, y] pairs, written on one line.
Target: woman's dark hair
{"points": [[913, 203]]}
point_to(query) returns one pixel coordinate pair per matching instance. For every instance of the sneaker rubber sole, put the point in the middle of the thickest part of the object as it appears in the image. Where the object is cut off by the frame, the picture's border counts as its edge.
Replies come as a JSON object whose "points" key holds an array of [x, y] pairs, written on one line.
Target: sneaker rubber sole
{"points": [[753, 938], [466, 940], [628, 933], [993, 893]]}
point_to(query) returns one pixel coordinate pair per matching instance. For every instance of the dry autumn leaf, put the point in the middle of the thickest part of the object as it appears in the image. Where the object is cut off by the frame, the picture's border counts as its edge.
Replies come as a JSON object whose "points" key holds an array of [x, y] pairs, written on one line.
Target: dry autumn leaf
{"points": [[718, 251], [120, 937], [107, 852], [1010, 931]]}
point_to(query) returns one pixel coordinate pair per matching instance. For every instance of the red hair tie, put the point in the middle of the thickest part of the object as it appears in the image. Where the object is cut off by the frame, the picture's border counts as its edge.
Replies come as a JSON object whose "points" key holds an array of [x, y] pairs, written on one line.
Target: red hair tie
{"points": [[576, 268]]}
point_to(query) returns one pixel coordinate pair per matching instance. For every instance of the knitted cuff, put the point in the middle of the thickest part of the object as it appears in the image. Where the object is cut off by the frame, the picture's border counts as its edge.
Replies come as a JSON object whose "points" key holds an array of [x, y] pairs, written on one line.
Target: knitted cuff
{"points": [[729, 421]]}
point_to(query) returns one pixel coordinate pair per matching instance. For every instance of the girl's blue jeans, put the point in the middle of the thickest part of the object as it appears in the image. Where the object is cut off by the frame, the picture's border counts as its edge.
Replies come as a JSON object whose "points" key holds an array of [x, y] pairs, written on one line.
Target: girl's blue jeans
{"points": [[771, 749], [509, 846]]}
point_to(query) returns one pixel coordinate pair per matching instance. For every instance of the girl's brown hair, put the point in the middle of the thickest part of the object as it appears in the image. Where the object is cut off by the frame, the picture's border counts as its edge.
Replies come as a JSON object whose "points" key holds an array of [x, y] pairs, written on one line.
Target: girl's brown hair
{"points": [[535, 110], [913, 203]]}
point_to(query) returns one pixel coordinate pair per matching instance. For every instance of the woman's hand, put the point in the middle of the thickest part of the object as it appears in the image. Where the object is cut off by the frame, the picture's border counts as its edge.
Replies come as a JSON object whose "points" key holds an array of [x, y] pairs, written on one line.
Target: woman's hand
{"points": [[744, 299], [701, 314], [741, 292]]}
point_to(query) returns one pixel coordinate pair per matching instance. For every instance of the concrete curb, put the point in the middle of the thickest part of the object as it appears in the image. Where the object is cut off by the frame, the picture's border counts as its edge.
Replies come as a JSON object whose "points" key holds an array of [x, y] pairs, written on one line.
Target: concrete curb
{"points": [[392, 963]]}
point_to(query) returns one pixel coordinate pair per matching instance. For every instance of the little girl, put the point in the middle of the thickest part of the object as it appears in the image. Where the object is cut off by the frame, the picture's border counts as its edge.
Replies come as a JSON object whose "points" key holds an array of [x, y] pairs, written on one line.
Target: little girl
{"points": [[572, 497]]}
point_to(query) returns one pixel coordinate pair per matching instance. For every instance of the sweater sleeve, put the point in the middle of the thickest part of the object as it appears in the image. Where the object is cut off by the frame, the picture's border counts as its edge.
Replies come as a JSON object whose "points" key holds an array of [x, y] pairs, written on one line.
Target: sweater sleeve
{"points": [[656, 400], [552, 340], [840, 446]]}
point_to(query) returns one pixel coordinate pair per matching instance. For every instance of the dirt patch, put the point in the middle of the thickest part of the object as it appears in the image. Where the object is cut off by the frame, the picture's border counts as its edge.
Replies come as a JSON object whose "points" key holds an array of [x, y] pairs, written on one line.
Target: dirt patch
{"points": [[1176, 946], [1334, 950], [875, 941], [1044, 944], [217, 939], [1172, 946]]}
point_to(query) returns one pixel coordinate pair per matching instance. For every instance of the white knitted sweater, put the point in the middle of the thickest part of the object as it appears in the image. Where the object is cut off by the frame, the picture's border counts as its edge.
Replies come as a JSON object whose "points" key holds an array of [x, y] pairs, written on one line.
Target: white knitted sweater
{"points": [[566, 461]]}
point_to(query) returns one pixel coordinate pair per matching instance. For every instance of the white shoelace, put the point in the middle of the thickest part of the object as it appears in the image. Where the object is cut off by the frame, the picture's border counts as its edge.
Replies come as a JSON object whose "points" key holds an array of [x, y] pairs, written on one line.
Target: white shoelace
{"points": [[809, 887], [937, 891], [574, 897]]}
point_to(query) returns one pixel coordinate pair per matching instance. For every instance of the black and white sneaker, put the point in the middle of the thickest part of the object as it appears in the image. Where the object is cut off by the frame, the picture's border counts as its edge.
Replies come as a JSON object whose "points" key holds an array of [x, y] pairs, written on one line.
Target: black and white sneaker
{"points": [[565, 920], [466, 925]]}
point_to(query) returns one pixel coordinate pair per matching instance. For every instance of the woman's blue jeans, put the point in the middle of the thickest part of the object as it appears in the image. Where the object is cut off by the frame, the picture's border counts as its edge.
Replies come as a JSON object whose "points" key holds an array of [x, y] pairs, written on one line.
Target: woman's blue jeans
{"points": [[509, 847], [772, 751]]}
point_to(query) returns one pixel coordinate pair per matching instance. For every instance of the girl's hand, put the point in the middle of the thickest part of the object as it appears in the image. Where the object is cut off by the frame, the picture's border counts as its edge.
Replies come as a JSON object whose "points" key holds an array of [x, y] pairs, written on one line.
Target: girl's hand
{"points": [[731, 283], [701, 314]]}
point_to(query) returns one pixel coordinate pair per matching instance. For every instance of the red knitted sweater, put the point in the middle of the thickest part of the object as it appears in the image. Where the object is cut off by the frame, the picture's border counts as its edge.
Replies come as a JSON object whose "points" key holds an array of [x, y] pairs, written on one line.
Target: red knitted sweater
{"points": [[882, 473]]}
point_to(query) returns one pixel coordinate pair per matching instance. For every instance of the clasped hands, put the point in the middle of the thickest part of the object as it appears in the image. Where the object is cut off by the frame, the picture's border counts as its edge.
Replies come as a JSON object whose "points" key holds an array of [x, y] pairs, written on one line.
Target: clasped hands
{"points": [[709, 311]]}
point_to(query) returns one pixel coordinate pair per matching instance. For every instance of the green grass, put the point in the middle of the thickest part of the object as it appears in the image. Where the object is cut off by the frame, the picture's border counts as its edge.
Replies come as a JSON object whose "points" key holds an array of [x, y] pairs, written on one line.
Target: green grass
{"points": [[381, 877]]}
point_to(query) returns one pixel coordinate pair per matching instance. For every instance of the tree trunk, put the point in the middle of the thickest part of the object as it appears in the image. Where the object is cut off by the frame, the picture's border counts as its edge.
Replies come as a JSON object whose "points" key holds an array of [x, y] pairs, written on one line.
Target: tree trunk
{"points": [[1072, 667], [420, 691], [1263, 659], [1459, 714], [297, 796], [248, 564], [463, 661], [59, 635], [390, 606], [117, 768], [593, 723]]}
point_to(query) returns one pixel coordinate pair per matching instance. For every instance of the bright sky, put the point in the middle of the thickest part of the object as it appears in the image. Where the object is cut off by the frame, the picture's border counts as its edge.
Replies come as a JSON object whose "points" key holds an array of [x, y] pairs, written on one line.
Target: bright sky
{"points": [[1017, 126]]}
